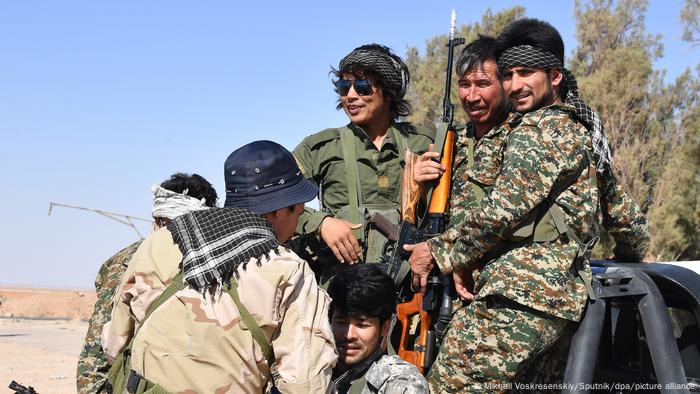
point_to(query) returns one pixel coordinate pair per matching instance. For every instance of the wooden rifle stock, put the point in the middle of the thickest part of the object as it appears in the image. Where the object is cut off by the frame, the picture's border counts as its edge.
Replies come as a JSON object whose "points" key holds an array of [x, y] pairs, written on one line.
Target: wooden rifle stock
{"points": [[436, 209], [410, 189], [404, 313], [425, 349], [410, 195]]}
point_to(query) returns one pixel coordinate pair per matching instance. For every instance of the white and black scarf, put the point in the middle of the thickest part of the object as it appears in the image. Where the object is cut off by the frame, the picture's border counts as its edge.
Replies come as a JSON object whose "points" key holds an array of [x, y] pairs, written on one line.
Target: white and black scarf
{"points": [[216, 241]]}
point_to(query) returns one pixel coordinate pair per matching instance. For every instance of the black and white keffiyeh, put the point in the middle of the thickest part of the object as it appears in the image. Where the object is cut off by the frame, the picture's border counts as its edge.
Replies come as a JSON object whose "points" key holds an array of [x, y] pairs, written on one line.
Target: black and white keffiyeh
{"points": [[531, 56], [392, 71], [214, 242], [590, 119]]}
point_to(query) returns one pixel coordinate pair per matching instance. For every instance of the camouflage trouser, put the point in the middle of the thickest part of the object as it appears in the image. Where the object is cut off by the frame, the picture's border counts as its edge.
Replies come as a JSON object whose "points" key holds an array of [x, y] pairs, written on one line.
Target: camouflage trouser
{"points": [[545, 373], [487, 343]]}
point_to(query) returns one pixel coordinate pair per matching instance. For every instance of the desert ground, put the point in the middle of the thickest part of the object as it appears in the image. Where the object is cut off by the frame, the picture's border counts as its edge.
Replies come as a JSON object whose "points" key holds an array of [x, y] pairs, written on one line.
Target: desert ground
{"points": [[41, 335]]}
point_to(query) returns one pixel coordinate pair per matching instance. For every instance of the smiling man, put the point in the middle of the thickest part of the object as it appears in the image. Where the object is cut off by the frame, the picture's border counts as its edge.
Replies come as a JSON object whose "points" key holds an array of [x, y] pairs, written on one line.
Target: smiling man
{"points": [[358, 166], [532, 58], [486, 104], [479, 146], [523, 222], [363, 302]]}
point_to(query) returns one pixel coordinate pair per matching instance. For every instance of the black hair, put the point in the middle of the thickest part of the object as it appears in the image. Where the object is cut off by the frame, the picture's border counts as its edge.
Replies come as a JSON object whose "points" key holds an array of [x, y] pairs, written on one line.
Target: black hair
{"points": [[476, 53], [195, 184], [363, 290], [536, 33], [399, 106]]}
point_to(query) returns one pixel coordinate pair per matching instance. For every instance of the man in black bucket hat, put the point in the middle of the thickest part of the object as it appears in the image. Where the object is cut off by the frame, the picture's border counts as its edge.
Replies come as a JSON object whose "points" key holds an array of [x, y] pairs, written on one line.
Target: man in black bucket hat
{"points": [[243, 313], [263, 177]]}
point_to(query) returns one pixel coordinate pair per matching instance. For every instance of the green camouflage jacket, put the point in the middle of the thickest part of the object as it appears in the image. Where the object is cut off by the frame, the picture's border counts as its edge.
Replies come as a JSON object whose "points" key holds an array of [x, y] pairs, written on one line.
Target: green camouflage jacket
{"points": [[92, 364], [623, 219], [391, 374], [467, 179], [518, 169]]}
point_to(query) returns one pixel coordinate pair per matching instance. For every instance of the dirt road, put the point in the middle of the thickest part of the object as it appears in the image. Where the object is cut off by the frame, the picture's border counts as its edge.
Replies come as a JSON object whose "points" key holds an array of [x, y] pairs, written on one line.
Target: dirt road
{"points": [[40, 353]]}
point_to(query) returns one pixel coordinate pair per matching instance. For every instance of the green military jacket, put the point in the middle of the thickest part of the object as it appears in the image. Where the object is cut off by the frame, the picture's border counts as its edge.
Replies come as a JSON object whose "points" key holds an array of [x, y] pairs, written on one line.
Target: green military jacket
{"points": [[517, 166], [320, 158], [92, 363]]}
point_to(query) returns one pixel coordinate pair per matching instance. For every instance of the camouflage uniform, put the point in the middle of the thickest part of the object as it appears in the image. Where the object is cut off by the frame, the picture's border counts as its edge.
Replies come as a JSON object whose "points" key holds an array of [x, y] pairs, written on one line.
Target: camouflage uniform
{"points": [[380, 373], [392, 375], [527, 292], [92, 364], [622, 218], [193, 342], [320, 158], [625, 222]]}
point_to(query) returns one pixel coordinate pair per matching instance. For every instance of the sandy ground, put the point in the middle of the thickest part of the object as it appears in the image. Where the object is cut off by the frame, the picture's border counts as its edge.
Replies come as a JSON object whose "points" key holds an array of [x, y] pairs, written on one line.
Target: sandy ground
{"points": [[46, 303], [41, 335]]}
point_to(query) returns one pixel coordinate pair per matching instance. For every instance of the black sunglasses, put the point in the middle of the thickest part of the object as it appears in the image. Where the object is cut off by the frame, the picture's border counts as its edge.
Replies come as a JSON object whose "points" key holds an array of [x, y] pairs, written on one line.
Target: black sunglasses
{"points": [[363, 87]]}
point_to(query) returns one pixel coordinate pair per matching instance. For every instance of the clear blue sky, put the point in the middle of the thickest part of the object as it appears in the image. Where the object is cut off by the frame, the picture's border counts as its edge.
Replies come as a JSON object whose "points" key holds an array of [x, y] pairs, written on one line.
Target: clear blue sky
{"points": [[101, 99]]}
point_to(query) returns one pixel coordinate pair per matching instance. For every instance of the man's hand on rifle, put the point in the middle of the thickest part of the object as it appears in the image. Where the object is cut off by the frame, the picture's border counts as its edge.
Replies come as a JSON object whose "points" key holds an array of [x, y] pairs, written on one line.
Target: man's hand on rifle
{"points": [[426, 168], [464, 284], [421, 262], [337, 233]]}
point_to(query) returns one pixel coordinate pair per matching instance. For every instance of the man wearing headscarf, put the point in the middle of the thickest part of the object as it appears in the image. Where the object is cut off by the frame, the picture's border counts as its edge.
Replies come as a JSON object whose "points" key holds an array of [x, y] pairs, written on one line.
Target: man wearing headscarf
{"points": [[535, 44], [179, 194], [526, 246], [216, 303], [358, 166]]}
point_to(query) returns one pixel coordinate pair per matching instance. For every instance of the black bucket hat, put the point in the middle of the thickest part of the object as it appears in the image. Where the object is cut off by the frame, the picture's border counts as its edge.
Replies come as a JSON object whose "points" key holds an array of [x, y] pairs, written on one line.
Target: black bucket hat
{"points": [[263, 177]]}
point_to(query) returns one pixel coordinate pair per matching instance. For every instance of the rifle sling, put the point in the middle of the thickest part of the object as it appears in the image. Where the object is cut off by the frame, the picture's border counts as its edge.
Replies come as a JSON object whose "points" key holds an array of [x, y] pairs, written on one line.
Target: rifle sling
{"points": [[358, 385], [478, 191], [121, 368], [351, 178], [249, 322], [175, 285]]}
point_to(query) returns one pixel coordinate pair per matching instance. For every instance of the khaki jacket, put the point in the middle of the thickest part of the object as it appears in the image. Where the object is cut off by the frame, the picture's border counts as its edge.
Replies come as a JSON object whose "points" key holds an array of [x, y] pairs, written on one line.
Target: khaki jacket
{"points": [[193, 342]]}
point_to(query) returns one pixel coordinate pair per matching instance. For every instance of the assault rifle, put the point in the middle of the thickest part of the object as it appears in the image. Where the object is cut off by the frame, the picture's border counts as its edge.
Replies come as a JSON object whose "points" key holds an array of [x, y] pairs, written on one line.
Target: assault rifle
{"points": [[437, 301], [19, 389]]}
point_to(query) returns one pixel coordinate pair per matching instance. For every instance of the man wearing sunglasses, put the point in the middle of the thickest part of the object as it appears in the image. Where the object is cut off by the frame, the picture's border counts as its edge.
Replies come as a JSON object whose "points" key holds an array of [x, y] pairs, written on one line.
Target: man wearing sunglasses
{"points": [[358, 166]]}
